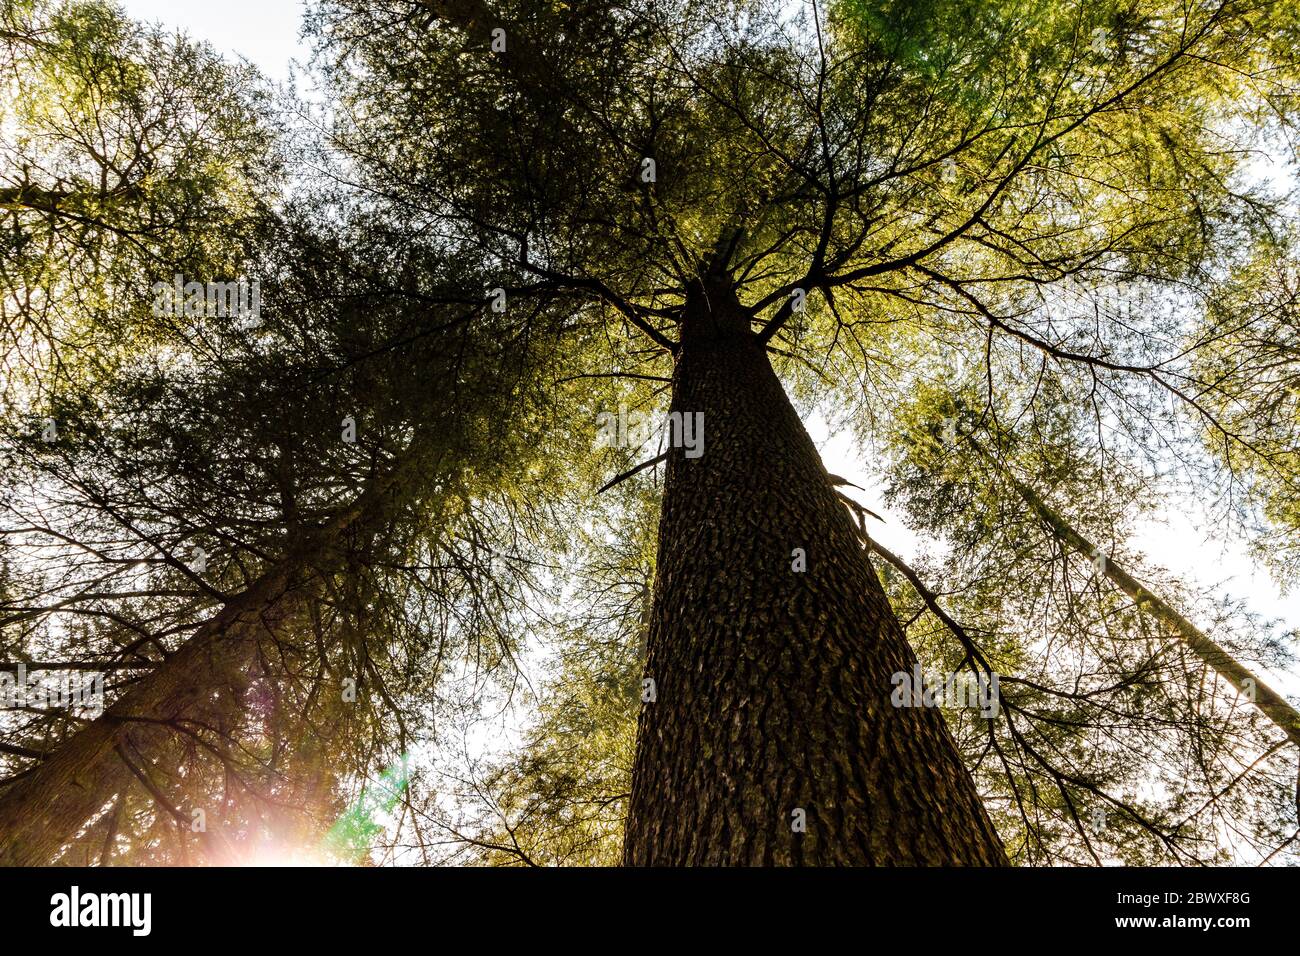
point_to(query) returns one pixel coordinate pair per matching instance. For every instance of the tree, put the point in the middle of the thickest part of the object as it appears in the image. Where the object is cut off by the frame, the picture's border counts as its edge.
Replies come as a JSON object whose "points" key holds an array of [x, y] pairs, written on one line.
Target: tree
{"points": [[1107, 690], [239, 518], [722, 170], [1245, 373], [876, 204]]}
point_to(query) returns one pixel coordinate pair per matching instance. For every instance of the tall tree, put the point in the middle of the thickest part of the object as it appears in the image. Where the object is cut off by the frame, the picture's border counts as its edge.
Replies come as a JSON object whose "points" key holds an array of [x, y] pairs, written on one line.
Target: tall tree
{"points": [[725, 207], [720, 172], [233, 516]]}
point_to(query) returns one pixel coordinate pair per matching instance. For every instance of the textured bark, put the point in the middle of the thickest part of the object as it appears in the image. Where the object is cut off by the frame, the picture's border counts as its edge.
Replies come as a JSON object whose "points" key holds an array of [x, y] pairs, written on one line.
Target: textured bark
{"points": [[44, 809], [772, 685]]}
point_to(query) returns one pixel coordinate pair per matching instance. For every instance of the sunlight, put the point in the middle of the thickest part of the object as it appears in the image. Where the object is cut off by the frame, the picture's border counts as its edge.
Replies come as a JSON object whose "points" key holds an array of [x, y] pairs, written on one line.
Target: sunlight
{"points": [[277, 856]]}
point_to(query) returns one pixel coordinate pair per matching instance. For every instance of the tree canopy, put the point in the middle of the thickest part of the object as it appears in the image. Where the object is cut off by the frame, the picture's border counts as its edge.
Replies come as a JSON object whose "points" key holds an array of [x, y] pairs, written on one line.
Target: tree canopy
{"points": [[1038, 257]]}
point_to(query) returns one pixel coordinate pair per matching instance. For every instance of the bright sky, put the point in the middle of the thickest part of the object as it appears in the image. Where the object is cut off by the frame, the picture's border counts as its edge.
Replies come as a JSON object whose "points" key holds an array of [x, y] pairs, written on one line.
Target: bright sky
{"points": [[265, 32], [1172, 541]]}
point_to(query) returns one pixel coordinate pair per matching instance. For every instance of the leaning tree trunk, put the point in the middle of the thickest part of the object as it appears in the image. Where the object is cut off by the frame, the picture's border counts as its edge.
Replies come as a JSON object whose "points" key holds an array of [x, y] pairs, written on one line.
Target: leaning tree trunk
{"points": [[771, 686], [45, 808], [1272, 704]]}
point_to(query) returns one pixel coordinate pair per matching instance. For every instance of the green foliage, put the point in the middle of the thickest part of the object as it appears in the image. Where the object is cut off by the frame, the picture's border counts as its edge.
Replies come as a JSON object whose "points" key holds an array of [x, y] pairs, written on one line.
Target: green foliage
{"points": [[1032, 244], [1247, 371]]}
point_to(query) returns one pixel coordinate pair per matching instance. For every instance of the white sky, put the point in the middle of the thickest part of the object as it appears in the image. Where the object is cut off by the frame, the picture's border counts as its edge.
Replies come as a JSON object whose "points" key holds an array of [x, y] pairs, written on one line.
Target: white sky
{"points": [[266, 32]]}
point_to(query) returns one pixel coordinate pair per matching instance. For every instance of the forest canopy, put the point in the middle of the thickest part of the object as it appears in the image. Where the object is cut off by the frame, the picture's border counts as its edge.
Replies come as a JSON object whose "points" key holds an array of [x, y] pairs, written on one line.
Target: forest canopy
{"points": [[420, 465]]}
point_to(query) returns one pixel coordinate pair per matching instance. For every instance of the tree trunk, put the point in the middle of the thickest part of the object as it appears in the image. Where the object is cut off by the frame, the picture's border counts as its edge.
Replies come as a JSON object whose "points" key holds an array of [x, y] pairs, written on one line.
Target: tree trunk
{"points": [[44, 809], [772, 685], [1272, 704]]}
